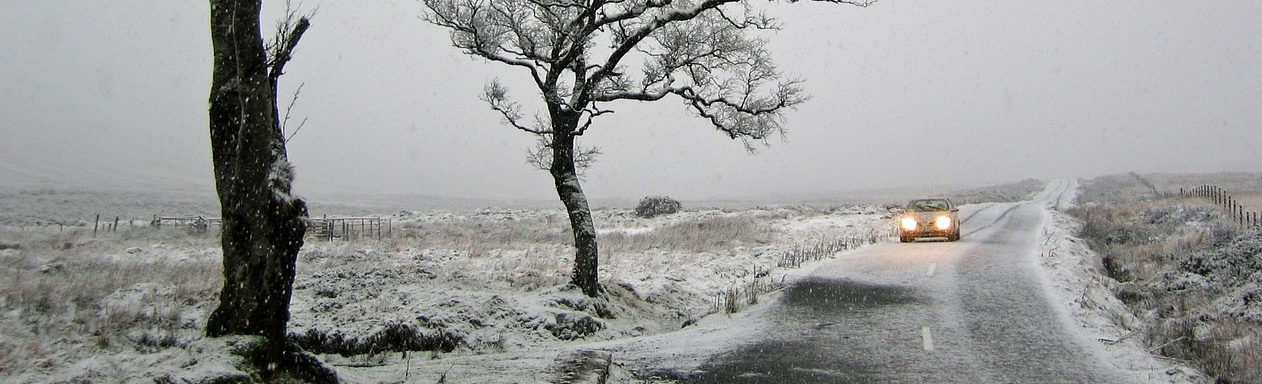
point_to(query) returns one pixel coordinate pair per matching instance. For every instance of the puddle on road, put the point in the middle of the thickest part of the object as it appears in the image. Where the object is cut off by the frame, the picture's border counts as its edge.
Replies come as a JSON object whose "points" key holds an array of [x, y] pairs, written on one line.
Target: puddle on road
{"points": [[812, 343], [831, 295], [782, 362]]}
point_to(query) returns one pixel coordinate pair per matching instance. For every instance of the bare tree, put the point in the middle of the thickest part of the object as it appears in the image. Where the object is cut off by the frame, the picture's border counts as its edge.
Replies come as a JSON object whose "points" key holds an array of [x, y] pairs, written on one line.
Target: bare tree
{"points": [[703, 52], [263, 225]]}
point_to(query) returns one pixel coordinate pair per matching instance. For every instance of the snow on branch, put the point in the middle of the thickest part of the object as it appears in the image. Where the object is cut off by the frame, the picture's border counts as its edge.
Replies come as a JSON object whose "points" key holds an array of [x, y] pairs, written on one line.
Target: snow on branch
{"points": [[723, 74], [281, 48], [497, 96], [541, 156], [505, 31], [703, 51]]}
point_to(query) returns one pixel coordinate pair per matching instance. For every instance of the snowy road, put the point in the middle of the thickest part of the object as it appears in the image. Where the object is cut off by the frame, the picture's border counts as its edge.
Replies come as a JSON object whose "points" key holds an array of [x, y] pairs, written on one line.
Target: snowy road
{"points": [[976, 310]]}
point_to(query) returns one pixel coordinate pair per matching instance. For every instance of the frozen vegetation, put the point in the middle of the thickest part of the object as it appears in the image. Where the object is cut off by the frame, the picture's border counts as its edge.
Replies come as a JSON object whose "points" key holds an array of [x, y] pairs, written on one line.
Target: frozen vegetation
{"points": [[481, 296], [1189, 276], [130, 305]]}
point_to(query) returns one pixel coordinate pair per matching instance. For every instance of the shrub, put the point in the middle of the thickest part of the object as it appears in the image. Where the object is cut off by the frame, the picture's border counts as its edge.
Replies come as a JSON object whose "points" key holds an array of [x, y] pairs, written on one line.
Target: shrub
{"points": [[394, 337], [657, 205]]}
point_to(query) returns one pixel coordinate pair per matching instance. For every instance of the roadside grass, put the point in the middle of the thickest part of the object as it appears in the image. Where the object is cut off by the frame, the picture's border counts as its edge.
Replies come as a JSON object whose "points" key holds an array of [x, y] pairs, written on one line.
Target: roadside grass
{"points": [[1189, 274]]}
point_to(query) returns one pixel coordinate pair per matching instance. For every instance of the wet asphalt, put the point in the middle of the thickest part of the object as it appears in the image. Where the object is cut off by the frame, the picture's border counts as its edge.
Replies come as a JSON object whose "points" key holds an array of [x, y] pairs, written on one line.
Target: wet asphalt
{"points": [[973, 311]]}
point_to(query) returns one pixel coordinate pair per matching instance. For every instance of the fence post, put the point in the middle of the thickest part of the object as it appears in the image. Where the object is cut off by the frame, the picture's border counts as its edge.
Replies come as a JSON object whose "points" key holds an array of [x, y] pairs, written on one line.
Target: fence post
{"points": [[96, 225]]}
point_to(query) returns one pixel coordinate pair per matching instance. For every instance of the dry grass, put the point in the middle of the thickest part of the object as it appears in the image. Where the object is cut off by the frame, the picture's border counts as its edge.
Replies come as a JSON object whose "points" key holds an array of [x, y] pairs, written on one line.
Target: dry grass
{"points": [[1232, 182], [1170, 252], [534, 251], [1229, 350], [478, 234], [696, 236], [61, 288], [1252, 201]]}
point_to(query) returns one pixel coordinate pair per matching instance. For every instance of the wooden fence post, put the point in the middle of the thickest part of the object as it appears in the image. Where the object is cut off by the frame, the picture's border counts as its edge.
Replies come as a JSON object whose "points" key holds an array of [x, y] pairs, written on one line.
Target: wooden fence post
{"points": [[96, 225]]}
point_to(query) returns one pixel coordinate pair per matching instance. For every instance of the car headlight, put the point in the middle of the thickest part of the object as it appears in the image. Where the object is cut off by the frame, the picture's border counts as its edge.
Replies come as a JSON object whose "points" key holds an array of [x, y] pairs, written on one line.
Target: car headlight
{"points": [[943, 222], [909, 224]]}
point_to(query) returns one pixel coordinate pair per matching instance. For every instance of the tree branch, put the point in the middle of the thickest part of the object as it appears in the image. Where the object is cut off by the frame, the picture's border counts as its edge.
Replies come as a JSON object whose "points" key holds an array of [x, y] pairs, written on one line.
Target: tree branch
{"points": [[497, 96], [289, 110], [285, 48]]}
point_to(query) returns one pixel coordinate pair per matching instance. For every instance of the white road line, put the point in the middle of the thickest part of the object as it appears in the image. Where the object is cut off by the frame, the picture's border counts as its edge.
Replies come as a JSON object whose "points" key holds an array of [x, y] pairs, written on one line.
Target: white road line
{"points": [[927, 338], [932, 267]]}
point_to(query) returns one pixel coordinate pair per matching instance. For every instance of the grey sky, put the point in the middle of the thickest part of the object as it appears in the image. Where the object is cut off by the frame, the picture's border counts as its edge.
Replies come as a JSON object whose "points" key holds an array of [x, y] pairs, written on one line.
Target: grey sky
{"points": [[904, 93]]}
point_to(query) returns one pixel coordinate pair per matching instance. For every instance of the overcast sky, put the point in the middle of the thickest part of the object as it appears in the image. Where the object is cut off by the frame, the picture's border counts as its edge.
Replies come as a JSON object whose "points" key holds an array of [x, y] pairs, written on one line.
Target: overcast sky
{"points": [[904, 93]]}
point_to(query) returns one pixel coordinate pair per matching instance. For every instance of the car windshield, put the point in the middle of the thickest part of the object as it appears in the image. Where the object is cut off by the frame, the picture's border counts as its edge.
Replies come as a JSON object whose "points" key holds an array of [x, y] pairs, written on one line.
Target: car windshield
{"points": [[927, 205]]}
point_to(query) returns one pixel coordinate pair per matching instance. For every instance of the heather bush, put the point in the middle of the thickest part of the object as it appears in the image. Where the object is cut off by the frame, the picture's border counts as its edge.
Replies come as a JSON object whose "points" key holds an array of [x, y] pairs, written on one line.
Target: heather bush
{"points": [[1187, 271], [657, 205]]}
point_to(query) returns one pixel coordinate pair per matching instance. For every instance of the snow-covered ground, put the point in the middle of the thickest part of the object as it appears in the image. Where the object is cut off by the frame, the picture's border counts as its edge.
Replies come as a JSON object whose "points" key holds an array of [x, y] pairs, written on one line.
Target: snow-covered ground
{"points": [[1074, 278], [486, 288]]}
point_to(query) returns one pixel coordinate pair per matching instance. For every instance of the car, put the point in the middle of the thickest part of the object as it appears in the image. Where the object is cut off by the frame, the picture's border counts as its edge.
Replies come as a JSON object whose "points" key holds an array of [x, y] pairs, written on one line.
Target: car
{"points": [[929, 218]]}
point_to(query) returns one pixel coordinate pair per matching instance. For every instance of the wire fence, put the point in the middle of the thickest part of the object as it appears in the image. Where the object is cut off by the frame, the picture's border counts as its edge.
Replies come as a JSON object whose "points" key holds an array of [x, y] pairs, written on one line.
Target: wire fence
{"points": [[332, 228], [740, 295], [1236, 212], [324, 228]]}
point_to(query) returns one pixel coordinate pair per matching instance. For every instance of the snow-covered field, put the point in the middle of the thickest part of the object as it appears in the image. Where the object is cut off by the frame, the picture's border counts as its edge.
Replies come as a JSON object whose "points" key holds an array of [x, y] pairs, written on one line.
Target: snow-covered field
{"points": [[483, 287], [482, 292]]}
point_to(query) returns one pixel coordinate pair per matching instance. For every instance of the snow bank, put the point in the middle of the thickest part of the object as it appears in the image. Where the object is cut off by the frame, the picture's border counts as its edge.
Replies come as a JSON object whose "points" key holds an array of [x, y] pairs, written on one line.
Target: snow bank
{"points": [[1076, 281]]}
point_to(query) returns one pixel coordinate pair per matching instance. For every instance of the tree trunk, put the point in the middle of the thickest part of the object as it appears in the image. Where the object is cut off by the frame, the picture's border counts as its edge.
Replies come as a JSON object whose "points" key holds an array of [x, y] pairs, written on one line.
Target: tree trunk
{"points": [[564, 174], [262, 226]]}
